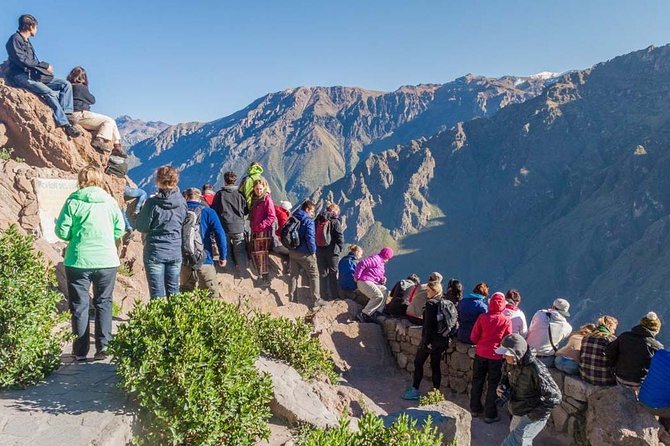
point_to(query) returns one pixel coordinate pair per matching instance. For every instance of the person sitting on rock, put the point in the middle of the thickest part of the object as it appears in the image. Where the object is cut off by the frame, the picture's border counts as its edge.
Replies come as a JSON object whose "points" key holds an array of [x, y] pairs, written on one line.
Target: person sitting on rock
{"points": [[204, 276], [593, 366], [262, 220], [231, 206], [208, 194], [655, 389], [27, 72], [254, 172], [454, 291], [469, 309], [514, 313], [418, 298], [631, 353], [329, 245], [487, 333], [547, 329], [370, 278], [107, 134], [567, 357], [346, 268], [529, 388], [400, 296], [433, 343]]}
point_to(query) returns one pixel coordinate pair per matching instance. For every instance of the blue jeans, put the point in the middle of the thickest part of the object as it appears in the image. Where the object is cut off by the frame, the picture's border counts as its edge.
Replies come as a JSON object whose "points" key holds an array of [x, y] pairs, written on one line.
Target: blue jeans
{"points": [[132, 192], [163, 278], [522, 431], [566, 365], [57, 94]]}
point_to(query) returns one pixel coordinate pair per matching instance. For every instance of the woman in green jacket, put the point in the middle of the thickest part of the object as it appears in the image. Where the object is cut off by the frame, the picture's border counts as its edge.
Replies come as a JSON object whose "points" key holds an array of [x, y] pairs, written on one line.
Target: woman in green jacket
{"points": [[90, 222]]}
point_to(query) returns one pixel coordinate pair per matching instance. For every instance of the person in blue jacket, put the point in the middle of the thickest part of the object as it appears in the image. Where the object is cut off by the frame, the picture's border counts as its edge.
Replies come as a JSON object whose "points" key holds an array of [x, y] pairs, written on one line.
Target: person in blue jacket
{"points": [[345, 269], [304, 256], [655, 390], [204, 277], [469, 309]]}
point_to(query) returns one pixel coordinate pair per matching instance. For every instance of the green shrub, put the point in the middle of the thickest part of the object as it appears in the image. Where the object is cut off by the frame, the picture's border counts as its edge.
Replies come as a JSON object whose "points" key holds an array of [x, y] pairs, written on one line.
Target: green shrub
{"points": [[432, 397], [291, 341], [403, 432], [189, 361], [30, 337]]}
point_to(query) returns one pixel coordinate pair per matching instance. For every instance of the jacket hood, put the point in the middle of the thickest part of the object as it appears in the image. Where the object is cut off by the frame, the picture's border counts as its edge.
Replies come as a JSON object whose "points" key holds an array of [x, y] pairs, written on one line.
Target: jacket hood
{"points": [[91, 194], [254, 170], [169, 199], [643, 331], [230, 189], [474, 296], [191, 204], [497, 303], [512, 307]]}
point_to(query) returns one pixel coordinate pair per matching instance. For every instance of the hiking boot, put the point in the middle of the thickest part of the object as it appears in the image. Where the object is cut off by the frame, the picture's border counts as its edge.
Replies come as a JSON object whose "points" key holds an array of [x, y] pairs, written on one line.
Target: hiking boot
{"points": [[101, 355], [411, 394], [71, 131], [100, 145], [491, 420]]}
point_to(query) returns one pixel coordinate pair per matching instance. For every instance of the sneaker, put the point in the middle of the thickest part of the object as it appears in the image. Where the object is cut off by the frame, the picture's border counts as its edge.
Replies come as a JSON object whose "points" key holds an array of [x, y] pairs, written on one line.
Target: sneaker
{"points": [[411, 394], [491, 420], [100, 145], [71, 131], [101, 355], [80, 358]]}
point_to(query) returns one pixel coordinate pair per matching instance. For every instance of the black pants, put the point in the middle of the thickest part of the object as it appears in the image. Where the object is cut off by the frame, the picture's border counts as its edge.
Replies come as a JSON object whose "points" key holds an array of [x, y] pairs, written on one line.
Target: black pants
{"points": [[485, 370], [237, 250], [78, 283], [435, 355], [327, 264]]}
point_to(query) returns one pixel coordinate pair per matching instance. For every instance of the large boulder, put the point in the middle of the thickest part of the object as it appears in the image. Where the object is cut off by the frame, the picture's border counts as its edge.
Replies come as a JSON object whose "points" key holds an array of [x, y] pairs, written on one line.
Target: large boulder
{"points": [[451, 420], [615, 418]]}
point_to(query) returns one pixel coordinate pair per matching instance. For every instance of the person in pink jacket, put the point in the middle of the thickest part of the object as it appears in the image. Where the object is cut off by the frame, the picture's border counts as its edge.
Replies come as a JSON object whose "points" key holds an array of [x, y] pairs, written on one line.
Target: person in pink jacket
{"points": [[262, 220], [489, 330], [370, 276]]}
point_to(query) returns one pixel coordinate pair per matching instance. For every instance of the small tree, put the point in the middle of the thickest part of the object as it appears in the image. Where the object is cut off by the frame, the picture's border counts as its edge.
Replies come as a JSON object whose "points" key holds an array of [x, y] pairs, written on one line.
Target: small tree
{"points": [[30, 340]]}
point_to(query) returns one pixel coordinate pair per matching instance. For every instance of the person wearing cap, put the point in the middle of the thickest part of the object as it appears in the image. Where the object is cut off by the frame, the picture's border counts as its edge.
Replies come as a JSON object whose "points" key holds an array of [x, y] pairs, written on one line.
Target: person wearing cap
{"points": [[489, 330], [205, 276], [231, 206], [593, 366], [469, 309], [418, 299], [328, 251], [547, 329], [531, 390], [514, 313], [630, 354], [283, 212], [370, 276]]}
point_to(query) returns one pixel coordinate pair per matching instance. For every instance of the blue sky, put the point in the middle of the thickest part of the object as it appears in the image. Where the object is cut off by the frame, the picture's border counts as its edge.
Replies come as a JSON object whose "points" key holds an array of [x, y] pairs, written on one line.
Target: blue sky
{"points": [[204, 59]]}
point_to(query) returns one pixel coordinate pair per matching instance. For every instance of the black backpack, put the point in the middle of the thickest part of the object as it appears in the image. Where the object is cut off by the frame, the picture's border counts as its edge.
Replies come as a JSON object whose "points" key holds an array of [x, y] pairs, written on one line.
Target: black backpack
{"points": [[290, 236], [447, 318], [193, 252]]}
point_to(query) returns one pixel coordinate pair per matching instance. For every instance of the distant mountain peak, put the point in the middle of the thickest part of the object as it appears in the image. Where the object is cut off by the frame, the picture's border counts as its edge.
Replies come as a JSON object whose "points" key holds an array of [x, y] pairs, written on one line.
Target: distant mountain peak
{"points": [[135, 130]]}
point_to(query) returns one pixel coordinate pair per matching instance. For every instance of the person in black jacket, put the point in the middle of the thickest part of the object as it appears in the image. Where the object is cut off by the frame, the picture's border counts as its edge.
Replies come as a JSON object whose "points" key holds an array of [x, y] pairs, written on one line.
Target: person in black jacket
{"points": [[107, 134], [328, 256], [28, 72], [529, 388], [231, 206]]}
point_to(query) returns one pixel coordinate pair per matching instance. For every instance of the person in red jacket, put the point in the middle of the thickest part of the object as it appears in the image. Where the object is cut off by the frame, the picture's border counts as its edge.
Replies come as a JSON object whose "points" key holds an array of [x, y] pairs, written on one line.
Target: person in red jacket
{"points": [[262, 220], [283, 211], [489, 330]]}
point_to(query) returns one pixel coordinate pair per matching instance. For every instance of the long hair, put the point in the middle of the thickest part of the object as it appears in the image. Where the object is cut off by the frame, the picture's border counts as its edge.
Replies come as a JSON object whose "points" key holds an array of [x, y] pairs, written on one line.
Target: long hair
{"points": [[78, 76]]}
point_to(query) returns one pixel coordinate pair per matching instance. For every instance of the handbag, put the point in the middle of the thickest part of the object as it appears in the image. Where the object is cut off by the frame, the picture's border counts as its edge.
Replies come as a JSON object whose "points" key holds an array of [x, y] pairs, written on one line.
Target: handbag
{"points": [[39, 74]]}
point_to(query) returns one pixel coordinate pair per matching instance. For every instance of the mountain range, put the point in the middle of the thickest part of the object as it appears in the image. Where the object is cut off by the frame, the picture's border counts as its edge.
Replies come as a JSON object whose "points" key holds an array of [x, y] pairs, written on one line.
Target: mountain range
{"points": [[135, 130]]}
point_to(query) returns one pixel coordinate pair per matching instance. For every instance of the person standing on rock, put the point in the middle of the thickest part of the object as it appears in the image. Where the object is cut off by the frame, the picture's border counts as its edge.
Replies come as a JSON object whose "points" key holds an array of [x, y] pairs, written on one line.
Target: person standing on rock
{"points": [[254, 172], [262, 221], [630, 354], [547, 329], [469, 309], [514, 313], [161, 219], [29, 73], [329, 245], [204, 276], [107, 136], [231, 206], [593, 366], [90, 221], [489, 330], [346, 268], [370, 278], [528, 387]]}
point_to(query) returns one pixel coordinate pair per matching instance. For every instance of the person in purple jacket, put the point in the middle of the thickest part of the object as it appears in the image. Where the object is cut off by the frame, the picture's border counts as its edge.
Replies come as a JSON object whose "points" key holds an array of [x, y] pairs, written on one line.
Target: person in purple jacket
{"points": [[370, 278]]}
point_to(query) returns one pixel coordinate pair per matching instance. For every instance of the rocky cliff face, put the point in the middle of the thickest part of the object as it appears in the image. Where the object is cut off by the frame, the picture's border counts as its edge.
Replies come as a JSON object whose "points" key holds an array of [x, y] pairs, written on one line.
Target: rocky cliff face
{"points": [[309, 137], [135, 130]]}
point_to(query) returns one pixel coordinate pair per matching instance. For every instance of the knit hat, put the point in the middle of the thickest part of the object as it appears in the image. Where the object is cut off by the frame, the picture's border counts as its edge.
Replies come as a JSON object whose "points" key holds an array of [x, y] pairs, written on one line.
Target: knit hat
{"points": [[435, 277], [562, 306], [286, 205], [513, 345], [651, 322], [386, 253]]}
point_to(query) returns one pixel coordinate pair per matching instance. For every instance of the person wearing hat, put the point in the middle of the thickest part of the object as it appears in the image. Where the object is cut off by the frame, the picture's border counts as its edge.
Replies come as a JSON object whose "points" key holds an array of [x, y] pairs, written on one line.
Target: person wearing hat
{"points": [[529, 388], [630, 354], [370, 276], [547, 329], [418, 299]]}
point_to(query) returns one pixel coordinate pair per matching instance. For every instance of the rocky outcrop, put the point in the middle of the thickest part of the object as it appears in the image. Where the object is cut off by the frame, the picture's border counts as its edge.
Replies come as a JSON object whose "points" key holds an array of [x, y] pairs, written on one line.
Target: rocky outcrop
{"points": [[451, 420]]}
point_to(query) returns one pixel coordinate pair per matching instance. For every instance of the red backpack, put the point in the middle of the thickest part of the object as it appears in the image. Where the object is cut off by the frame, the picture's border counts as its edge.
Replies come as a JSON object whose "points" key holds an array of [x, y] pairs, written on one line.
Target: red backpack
{"points": [[323, 237]]}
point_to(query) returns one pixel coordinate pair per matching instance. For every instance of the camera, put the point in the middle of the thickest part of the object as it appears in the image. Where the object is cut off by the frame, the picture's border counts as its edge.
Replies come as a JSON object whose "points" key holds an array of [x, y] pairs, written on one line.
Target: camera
{"points": [[507, 393]]}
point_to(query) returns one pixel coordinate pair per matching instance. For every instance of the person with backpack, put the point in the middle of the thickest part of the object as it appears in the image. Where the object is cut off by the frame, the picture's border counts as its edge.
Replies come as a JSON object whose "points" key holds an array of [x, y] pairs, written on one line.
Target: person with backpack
{"points": [[400, 295], [418, 298], [547, 329], [28, 72], [440, 321], [329, 245], [592, 365], [197, 269], [469, 309], [161, 219], [262, 222], [370, 278], [514, 313], [346, 268], [90, 221], [231, 206], [254, 172], [107, 136], [487, 333], [208, 194]]}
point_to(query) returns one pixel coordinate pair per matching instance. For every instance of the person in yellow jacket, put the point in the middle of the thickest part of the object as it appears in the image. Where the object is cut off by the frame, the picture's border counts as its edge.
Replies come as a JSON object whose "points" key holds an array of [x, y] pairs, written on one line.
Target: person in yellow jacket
{"points": [[254, 172], [90, 221]]}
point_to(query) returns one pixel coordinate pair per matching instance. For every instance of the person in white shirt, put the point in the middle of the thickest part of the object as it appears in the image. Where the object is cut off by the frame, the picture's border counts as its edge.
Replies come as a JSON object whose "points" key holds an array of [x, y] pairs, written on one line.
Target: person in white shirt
{"points": [[547, 329], [514, 313]]}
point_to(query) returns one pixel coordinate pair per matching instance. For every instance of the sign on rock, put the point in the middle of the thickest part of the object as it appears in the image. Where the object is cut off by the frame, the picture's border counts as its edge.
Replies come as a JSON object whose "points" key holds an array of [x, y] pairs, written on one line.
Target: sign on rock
{"points": [[51, 195]]}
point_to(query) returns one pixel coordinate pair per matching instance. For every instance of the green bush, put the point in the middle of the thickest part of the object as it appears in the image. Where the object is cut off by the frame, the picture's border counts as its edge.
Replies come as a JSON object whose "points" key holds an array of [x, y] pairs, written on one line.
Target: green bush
{"points": [[291, 341], [30, 337], [432, 397], [403, 432], [189, 361]]}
